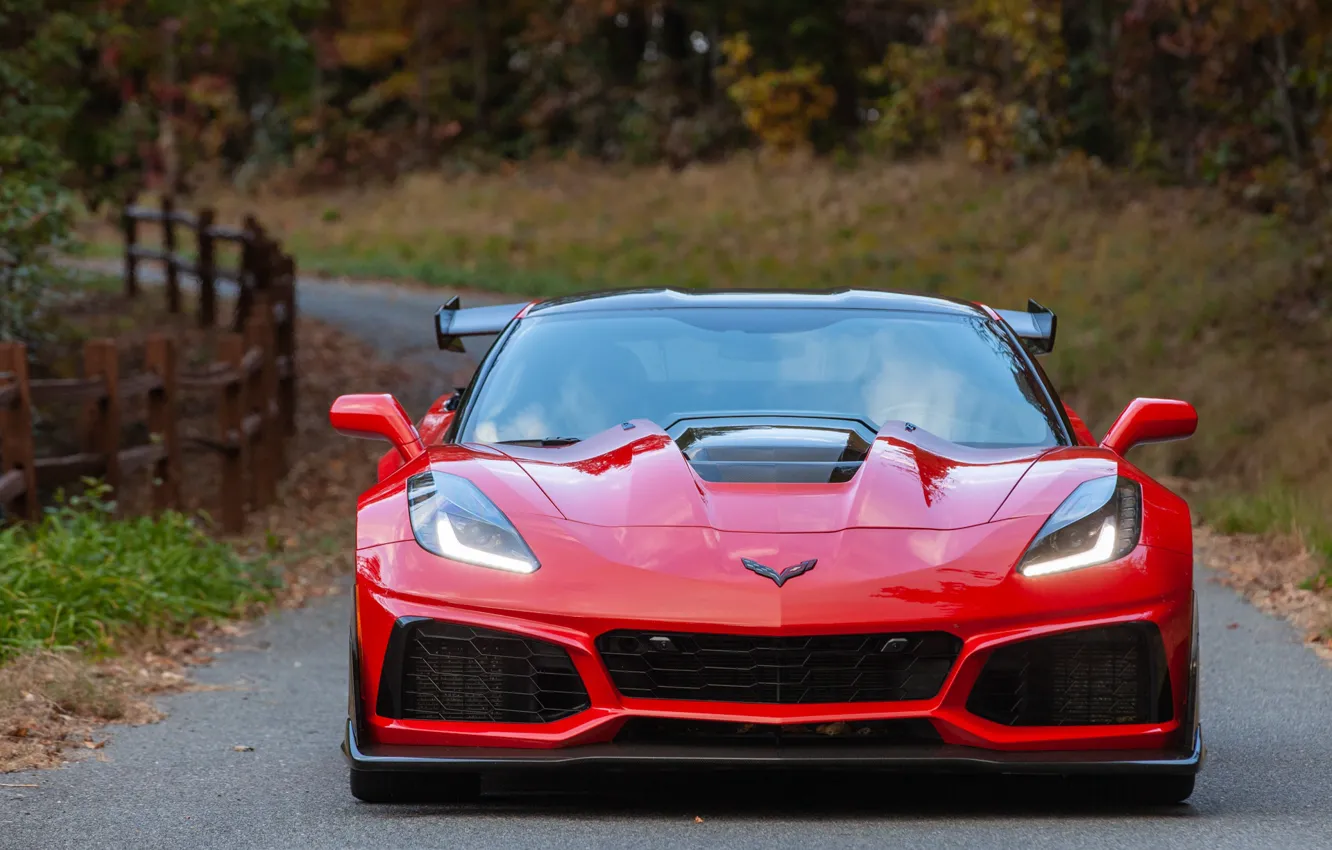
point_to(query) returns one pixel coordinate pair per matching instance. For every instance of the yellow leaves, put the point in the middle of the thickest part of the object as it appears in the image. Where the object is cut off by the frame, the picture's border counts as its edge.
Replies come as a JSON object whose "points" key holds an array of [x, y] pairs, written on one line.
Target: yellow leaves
{"points": [[738, 51], [913, 115], [366, 15], [371, 49], [401, 85], [780, 107], [1031, 31]]}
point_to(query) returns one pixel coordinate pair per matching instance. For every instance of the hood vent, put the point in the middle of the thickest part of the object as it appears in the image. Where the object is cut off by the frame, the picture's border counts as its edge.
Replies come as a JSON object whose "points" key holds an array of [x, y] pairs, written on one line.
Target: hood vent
{"points": [[819, 451]]}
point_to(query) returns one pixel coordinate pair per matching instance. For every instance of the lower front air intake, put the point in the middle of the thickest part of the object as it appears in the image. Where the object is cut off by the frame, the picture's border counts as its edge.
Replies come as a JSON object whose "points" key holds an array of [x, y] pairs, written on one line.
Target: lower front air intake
{"points": [[435, 670], [1091, 677]]}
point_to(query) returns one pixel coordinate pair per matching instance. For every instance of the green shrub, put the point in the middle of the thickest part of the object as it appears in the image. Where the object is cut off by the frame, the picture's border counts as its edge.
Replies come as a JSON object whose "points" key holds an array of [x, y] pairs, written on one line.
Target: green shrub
{"points": [[80, 577]]}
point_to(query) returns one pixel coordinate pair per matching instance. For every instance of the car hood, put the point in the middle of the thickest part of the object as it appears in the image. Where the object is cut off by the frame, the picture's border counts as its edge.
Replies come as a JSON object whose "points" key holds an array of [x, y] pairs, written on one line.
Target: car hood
{"points": [[635, 475]]}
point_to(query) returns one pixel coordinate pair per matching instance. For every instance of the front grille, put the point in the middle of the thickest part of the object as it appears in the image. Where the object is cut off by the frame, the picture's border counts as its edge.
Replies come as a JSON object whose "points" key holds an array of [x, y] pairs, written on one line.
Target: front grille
{"points": [[445, 671], [782, 670], [1091, 677], [718, 733]]}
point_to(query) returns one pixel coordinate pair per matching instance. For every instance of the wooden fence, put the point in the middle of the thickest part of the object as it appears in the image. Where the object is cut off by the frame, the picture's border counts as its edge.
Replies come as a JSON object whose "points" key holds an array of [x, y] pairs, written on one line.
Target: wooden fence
{"points": [[252, 379], [262, 265], [248, 437]]}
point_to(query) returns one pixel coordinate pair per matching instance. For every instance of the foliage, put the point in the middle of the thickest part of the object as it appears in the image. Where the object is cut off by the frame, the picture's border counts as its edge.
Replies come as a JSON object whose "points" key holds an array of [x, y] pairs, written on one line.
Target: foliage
{"points": [[917, 106], [35, 206], [779, 107], [95, 92], [1230, 92], [80, 576]]}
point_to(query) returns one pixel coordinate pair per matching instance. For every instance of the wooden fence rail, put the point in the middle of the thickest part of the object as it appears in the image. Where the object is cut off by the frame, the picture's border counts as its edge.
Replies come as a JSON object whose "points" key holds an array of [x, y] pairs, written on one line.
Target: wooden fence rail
{"points": [[253, 379], [248, 436], [264, 272]]}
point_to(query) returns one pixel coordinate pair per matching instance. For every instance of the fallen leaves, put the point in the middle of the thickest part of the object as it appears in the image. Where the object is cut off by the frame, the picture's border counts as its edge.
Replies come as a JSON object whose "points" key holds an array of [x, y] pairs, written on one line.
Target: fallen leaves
{"points": [[1269, 570], [51, 703]]}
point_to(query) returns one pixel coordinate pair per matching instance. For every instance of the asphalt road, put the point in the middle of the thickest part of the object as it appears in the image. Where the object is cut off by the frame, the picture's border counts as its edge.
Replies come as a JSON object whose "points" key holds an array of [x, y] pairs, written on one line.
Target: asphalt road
{"points": [[1267, 707]]}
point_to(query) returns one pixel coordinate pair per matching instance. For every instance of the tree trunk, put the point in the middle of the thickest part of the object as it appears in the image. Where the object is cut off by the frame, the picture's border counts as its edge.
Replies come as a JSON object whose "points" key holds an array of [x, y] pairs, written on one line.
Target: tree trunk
{"points": [[166, 130], [424, 22]]}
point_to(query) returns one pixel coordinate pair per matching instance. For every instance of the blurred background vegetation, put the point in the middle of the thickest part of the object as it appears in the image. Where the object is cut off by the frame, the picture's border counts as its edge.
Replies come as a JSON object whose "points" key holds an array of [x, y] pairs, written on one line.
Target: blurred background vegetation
{"points": [[1228, 92], [1153, 169]]}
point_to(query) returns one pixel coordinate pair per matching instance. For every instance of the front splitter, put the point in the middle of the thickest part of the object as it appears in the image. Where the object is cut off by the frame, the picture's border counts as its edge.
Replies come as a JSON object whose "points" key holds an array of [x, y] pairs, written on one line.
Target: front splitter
{"points": [[941, 758]]}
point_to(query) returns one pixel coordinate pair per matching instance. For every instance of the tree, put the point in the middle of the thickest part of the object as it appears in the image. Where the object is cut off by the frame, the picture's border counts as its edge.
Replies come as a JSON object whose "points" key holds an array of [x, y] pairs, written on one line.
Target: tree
{"points": [[35, 207]]}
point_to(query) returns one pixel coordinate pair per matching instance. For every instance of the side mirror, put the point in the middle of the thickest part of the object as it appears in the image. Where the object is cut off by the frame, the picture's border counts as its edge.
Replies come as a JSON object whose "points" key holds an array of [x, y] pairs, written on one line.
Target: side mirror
{"points": [[377, 417], [1150, 420]]}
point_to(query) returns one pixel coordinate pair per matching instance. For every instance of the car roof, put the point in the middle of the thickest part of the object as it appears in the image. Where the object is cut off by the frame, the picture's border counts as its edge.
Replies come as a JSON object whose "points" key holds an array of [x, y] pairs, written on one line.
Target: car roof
{"points": [[662, 299]]}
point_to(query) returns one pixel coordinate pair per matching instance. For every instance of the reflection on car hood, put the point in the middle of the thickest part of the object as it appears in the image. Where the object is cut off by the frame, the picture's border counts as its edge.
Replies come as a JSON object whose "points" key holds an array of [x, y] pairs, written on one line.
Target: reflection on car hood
{"points": [[637, 476]]}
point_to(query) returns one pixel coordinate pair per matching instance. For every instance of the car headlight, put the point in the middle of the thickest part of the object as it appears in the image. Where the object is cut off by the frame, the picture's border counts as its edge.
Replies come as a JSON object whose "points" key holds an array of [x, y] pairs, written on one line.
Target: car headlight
{"points": [[455, 520], [1099, 522]]}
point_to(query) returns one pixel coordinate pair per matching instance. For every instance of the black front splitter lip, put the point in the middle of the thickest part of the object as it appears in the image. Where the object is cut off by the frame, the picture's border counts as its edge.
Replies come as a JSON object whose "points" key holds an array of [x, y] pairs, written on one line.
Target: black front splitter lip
{"points": [[943, 758]]}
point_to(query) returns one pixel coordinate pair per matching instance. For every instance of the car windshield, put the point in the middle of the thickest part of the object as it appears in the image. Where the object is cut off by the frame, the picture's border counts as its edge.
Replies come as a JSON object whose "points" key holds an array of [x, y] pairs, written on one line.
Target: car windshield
{"points": [[564, 377]]}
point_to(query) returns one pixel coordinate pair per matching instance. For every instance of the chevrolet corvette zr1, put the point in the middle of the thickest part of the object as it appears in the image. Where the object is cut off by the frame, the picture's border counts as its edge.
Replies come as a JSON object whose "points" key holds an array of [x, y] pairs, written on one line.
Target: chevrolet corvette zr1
{"points": [[745, 529]]}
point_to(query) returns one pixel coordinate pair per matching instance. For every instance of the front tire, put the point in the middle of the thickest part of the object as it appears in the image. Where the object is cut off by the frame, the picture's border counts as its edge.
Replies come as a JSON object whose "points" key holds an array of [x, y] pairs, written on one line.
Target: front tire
{"points": [[375, 786]]}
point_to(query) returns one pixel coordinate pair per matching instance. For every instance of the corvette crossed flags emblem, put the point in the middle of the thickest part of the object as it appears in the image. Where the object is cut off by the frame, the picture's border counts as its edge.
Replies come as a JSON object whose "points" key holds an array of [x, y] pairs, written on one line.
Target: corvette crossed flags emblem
{"points": [[785, 575]]}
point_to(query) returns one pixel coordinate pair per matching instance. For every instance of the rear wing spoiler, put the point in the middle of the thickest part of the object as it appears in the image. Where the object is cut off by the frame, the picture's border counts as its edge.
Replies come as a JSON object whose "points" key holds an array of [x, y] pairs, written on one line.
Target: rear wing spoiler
{"points": [[1035, 327], [452, 323]]}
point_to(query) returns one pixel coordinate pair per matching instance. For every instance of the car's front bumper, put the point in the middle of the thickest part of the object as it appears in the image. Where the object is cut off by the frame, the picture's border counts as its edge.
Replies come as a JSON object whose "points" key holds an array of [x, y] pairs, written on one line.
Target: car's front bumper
{"points": [[980, 602], [942, 758]]}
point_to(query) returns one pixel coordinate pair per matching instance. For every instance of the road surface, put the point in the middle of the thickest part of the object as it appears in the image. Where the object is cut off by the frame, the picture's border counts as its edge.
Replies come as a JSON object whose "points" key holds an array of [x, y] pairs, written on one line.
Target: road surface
{"points": [[1267, 714]]}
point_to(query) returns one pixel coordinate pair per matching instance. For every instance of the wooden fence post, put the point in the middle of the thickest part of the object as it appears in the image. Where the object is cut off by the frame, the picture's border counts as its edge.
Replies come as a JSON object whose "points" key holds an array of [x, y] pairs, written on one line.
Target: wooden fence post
{"points": [[102, 417], [251, 260], [206, 267], [286, 348], [265, 264], [169, 248], [160, 358], [131, 226], [267, 456], [16, 444], [231, 415]]}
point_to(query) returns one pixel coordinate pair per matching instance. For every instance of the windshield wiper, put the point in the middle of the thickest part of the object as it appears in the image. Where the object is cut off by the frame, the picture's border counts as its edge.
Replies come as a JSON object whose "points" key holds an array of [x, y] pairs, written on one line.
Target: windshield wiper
{"points": [[543, 442]]}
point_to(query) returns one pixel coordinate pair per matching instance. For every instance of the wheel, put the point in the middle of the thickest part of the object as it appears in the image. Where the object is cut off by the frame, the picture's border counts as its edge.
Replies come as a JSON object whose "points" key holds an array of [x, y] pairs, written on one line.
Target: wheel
{"points": [[374, 786], [1164, 790]]}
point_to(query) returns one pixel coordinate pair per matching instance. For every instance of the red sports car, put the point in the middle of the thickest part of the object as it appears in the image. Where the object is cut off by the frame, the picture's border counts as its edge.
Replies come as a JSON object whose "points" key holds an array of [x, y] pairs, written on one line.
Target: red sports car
{"points": [[726, 529]]}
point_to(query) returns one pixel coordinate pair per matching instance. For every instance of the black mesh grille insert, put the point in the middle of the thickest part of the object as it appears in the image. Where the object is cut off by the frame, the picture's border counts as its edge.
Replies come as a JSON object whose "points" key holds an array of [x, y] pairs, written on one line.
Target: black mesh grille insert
{"points": [[1091, 677], [446, 671], [705, 733], [785, 670]]}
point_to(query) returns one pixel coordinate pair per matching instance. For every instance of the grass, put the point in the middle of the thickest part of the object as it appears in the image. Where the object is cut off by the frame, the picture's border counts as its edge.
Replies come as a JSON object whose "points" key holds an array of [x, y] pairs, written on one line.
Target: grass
{"points": [[1274, 510], [81, 578], [1160, 291]]}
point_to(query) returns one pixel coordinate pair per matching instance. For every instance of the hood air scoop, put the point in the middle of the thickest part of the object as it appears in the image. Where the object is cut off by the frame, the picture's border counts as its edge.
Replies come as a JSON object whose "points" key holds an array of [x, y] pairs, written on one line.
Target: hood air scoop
{"points": [[773, 450]]}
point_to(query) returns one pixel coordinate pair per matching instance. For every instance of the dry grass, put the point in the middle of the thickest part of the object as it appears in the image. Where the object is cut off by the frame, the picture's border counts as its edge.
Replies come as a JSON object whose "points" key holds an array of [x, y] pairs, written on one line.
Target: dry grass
{"points": [[1160, 291], [52, 703]]}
